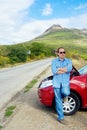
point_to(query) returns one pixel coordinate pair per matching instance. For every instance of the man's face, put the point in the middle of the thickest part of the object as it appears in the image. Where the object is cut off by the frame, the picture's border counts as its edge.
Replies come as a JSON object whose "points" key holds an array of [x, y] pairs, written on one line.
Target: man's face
{"points": [[61, 53]]}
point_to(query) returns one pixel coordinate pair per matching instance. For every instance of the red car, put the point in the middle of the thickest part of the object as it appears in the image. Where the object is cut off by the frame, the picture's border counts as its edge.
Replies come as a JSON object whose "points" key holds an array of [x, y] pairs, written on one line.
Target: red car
{"points": [[78, 95]]}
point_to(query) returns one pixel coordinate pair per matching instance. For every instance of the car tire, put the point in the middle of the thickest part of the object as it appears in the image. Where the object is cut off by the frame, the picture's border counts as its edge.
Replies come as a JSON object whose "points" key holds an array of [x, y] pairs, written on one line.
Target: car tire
{"points": [[72, 104]]}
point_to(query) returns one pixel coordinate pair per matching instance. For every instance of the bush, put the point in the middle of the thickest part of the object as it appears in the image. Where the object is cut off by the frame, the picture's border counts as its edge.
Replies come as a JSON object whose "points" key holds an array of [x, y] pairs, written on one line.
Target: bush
{"points": [[4, 61], [18, 55], [84, 56], [40, 50]]}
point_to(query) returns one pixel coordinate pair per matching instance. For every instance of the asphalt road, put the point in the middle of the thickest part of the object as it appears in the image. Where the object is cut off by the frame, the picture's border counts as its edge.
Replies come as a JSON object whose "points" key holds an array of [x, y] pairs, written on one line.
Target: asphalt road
{"points": [[14, 79]]}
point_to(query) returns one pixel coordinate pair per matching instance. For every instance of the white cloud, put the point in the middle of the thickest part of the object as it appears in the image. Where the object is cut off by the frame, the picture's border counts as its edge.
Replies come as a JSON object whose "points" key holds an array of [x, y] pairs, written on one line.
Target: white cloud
{"points": [[78, 21], [12, 14], [14, 5], [47, 10], [14, 29], [81, 6]]}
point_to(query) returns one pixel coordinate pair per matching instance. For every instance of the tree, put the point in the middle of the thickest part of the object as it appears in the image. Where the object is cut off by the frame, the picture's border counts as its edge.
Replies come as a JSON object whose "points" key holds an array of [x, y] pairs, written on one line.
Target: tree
{"points": [[18, 54]]}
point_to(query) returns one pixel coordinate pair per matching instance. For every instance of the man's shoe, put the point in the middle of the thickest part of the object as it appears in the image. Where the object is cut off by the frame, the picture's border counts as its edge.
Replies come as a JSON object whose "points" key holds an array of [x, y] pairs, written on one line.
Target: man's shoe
{"points": [[63, 122]]}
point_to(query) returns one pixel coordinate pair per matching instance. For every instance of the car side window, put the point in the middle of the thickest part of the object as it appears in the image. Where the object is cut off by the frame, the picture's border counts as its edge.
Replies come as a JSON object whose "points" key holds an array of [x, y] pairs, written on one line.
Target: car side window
{"points": [[74, 72]]}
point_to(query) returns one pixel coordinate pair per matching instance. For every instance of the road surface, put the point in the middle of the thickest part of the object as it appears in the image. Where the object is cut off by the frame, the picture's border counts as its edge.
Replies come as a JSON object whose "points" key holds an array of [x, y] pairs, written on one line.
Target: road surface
{"points": [[14, 79]]}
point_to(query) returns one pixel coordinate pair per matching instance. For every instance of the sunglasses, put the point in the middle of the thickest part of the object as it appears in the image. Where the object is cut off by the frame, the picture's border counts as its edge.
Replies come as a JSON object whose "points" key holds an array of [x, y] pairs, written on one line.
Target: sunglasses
{"points": [[62, 52]]}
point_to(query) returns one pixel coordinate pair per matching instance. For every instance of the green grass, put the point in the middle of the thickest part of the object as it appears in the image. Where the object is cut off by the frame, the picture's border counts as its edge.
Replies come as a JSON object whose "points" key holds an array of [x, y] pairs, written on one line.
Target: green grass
{"points": [[1, 127], [67, 38], [9, 111], [63, 35], [31, 84]]}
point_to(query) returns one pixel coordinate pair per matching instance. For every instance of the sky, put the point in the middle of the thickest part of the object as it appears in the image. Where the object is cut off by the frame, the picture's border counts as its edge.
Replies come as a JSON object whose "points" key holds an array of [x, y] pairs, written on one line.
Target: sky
{"points": [[23, 20]]}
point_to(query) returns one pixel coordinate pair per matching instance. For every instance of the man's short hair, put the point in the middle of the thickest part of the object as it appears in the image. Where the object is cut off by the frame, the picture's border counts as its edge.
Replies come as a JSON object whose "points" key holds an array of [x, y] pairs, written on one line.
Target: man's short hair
{"points": [[60, 48]]}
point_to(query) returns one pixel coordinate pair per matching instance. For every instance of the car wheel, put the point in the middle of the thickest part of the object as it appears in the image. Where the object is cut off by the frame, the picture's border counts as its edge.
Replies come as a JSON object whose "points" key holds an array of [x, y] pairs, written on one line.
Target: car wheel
{"points": [[71, 105]]}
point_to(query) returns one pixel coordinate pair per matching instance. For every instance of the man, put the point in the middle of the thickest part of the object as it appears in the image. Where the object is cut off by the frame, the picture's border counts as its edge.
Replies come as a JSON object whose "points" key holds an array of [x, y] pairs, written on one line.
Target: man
{"points": [[61, 68]]}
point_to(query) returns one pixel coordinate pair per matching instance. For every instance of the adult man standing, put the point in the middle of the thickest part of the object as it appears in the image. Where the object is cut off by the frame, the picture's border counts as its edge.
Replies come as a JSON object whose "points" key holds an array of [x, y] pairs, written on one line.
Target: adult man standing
{"points": [[61, 68]]}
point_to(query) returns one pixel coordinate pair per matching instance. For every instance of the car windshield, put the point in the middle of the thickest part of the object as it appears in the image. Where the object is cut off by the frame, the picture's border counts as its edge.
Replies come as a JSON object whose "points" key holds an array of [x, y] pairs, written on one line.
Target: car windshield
{"points": [[83, 70]]}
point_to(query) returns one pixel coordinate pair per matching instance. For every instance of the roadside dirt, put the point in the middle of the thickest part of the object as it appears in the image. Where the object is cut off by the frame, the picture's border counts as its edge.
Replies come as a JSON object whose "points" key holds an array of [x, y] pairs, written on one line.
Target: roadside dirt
{"points": [[30, 114]]}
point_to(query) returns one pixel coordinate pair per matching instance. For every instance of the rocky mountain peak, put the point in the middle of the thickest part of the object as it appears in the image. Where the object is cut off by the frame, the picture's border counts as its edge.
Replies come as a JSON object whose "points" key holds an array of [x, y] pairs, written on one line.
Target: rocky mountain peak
{"points": [[53, 28], [84, 30]]}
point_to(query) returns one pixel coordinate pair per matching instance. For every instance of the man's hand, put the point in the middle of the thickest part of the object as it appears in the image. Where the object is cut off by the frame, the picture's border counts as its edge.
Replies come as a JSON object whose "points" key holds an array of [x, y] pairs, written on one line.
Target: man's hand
{"points": [[62, 70]]}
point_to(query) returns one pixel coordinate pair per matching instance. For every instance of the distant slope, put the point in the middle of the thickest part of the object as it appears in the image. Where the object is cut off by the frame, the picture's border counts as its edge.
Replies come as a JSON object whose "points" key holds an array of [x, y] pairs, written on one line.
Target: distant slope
{"points": [[57, 33], [73, 40]]}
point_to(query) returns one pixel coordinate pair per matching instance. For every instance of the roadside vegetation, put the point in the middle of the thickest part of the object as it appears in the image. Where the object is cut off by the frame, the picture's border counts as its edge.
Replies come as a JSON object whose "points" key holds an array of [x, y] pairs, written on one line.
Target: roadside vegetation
{"points": [[31, 84], [1, 127], [74, 41], [34, 81], [6, 114], [9, 111]]}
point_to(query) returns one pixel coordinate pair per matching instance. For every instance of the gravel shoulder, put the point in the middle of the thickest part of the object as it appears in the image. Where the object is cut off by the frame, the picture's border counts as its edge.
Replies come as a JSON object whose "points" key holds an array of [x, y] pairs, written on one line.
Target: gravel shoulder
{"points": [[30, 114]]}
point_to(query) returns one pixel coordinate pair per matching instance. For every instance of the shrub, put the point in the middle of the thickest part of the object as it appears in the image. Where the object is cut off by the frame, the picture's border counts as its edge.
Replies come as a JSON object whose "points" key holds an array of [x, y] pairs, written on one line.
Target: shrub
{"points": [[18, 55], [4, 61]]}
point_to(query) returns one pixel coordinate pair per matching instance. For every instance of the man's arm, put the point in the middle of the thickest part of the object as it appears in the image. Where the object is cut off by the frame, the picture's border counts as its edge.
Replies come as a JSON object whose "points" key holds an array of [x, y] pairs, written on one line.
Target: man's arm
{"points": [[68, 68], [61, 70]]}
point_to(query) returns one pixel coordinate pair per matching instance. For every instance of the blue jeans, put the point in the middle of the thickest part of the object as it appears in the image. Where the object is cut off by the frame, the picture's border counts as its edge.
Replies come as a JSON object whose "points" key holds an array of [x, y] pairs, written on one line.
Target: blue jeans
{"points": [[59, 94]]}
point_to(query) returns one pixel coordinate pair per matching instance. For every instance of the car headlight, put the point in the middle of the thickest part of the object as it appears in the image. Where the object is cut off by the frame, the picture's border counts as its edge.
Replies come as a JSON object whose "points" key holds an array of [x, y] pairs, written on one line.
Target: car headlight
{"points": [[45, 84]]}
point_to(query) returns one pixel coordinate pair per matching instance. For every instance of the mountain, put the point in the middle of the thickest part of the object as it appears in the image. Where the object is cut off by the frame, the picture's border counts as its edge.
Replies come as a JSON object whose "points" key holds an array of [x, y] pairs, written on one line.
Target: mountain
{"points": [[57, 33], [57, 27], [53, 28]]}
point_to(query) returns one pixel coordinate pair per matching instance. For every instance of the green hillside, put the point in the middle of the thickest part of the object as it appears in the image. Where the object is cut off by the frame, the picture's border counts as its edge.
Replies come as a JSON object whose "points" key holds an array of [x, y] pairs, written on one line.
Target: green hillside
{"points": [[73, 40], [64, 36]]}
